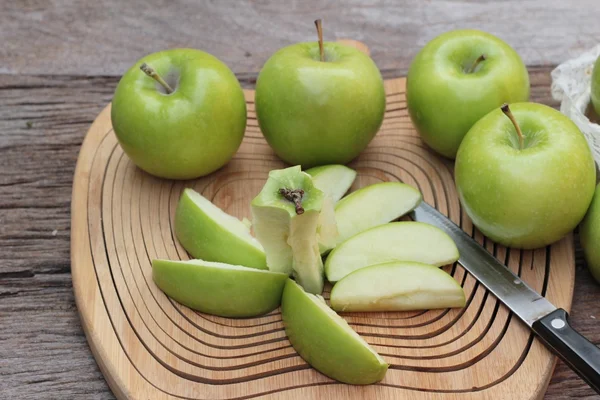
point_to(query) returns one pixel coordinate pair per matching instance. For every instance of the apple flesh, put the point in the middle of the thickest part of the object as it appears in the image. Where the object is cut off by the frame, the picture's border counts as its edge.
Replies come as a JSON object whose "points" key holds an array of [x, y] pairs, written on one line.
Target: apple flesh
{"points": [[397, 241], [397, 286], [447, 91], [333, 180], [596, 86], [326, 341], [374, 205], [219, 289], [530, 195], [589, 234], [314, 112], [208, 233], [189, 132], [287, 226]]}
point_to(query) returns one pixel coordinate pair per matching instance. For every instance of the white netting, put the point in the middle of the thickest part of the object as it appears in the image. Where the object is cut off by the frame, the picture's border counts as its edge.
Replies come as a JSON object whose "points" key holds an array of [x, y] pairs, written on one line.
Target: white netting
{"points": [[571, 85]]}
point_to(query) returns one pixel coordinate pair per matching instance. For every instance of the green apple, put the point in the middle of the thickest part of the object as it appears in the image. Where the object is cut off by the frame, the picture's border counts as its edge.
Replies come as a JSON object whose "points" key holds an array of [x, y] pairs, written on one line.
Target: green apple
{"points": [[374, 205], [286, 219], [333, 180], [315, 110], [207, 232], [327, 231], [219, 289], [589, 235], [326, 341], [596, 86], [456, 79], [397, 286], [397, 241], [186, 122], [525, 178]]}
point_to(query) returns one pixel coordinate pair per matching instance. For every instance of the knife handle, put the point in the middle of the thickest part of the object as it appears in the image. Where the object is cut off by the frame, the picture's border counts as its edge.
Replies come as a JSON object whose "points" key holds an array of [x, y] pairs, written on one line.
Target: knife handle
{"points": [[575, 350]]}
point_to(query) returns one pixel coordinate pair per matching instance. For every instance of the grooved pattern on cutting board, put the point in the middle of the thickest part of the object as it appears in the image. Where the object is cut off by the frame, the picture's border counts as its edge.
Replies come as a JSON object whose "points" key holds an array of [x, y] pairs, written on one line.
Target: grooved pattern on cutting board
{"points": [[150, 347]]}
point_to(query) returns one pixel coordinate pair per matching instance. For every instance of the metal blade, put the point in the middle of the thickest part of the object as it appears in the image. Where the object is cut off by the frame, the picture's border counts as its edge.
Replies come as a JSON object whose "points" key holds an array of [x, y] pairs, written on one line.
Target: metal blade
{"points": [[525, 302]]}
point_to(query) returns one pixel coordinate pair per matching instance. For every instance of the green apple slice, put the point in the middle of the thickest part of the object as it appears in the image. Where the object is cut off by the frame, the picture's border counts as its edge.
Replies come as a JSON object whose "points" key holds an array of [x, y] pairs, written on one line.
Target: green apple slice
{"points": [[374, 205], [219, 289], [208, 233], [397, 286], [327, 232], [285, 219], [326, 341], [397, 241], [333, 180]]}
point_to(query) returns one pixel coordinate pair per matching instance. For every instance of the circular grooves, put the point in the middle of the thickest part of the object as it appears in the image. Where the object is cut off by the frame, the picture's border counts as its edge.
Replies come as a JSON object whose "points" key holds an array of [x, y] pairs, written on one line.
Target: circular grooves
{"points": [[146, 343]]}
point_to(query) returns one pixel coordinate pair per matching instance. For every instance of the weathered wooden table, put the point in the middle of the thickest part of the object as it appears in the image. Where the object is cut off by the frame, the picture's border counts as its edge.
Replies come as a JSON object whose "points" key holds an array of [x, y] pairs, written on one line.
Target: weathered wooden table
{"points": [[59, 64]]}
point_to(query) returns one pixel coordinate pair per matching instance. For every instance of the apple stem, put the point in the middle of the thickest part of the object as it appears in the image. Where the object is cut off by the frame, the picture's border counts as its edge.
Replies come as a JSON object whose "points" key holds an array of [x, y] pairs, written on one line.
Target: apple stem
{"points": [[295, 196], [506, 110], [148, 70], [476, 63], [320, 34]]}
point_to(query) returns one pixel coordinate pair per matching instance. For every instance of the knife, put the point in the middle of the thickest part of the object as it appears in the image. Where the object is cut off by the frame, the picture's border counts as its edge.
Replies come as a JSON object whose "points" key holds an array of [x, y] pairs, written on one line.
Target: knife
{"points": [[549, 323]]}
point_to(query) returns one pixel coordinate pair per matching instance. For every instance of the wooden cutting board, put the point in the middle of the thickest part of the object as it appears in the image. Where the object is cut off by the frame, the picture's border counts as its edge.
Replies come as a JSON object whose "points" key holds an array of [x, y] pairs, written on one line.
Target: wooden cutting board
{"points": [[150, 347]]}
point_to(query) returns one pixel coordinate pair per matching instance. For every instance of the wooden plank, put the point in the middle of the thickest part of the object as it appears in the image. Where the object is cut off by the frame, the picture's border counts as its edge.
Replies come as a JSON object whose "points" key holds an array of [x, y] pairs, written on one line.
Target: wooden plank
{"points": [[43, 353], [105, 37]]}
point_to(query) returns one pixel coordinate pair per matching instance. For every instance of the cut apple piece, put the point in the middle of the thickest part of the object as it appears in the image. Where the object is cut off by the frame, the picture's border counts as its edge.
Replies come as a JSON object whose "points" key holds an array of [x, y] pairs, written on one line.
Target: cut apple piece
{"points": [[327, 232], [374, 205], [326, 341], [285, 220], [397, 286], [397, 241], [208, 233], [333, 180], [219, 289]]}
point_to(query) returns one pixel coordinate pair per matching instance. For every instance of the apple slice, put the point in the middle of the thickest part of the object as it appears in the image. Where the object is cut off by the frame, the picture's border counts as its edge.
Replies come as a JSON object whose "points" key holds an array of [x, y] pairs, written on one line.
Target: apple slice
{"points": [[219, 289], [397, 286], [333, 180], [374, 205], [397, 241], [286, 221], [327, 232], [326, 341], [208, 233]]}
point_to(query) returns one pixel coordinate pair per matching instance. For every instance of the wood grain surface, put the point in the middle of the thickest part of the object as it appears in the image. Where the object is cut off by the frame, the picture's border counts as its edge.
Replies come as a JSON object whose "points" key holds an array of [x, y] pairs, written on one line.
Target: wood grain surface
{"points": [[56, 75], [149, 346], [104, 37]]}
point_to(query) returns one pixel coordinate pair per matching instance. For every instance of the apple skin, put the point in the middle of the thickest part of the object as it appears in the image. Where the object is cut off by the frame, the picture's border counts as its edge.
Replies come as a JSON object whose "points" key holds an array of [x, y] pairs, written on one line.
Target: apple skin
{"points": [[596, 86], [326, 341], [219, 289], [315, 113], [396, 241], [208, 233], [333, 180], [397, 286], [186, 134], [526, 198], [589, 235], [444, 101], [374, 205]]}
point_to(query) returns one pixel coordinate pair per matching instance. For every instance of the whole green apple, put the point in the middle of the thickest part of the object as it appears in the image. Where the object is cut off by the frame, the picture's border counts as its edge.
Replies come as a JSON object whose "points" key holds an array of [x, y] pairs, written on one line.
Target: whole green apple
{"points": [[456, 79], [596, 86], [186, 122], [315, 112], [526, 180], [589, 235]]}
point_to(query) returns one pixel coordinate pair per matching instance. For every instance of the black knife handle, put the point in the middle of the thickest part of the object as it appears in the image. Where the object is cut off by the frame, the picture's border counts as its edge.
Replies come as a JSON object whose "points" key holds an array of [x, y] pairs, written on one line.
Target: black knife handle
{"points": [[576, 351]]}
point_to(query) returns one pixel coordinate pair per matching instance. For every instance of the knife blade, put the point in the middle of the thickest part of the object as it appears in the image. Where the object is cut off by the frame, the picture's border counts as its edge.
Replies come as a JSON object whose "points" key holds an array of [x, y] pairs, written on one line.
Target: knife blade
{"points": [[547, 321]]}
